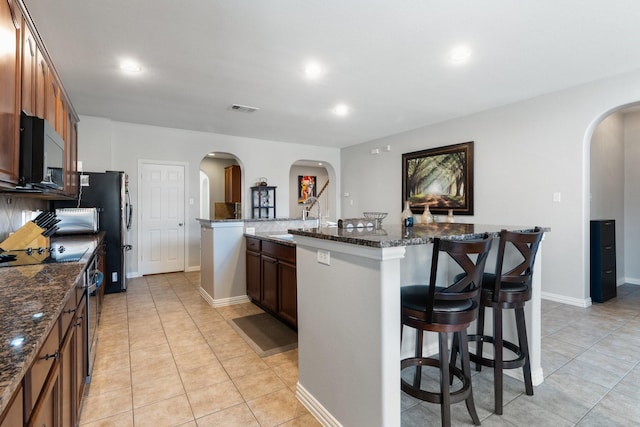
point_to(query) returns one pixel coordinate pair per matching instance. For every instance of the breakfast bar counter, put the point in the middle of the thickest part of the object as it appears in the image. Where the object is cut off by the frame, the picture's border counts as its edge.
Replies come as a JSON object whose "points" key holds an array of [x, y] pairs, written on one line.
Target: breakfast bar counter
{"points": [[349, 283]]}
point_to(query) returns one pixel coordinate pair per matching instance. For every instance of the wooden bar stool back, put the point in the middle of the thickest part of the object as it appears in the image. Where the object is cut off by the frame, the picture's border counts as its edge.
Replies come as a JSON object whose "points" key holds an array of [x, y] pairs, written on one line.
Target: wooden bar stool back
{"points": [[445, 310], [507, 290]]}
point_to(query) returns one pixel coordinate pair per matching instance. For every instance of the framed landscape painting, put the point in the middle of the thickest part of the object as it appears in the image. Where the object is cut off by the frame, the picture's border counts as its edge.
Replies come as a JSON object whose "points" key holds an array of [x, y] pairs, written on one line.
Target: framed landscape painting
{"points": [[441, 178]]}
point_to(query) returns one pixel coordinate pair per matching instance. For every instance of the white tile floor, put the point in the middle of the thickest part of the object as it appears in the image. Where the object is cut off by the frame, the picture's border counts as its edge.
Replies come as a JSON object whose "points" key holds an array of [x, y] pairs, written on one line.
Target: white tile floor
{"points": [[167, 358], [591, 365]]}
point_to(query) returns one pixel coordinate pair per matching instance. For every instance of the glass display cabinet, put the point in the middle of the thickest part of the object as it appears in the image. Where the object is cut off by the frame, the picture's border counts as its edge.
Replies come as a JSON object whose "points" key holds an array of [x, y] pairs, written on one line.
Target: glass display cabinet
{"points": [[263, 202]]}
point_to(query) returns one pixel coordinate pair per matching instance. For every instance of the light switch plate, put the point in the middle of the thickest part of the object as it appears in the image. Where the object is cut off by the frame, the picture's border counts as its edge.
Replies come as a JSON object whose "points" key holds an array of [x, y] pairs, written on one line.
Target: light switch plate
{"points": [[250, 230], [324, 257]]}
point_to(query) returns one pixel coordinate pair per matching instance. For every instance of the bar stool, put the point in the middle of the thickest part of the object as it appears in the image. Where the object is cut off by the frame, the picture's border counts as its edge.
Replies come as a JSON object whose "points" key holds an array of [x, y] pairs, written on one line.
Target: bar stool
{"points": [[501, 291], [445, 310]]}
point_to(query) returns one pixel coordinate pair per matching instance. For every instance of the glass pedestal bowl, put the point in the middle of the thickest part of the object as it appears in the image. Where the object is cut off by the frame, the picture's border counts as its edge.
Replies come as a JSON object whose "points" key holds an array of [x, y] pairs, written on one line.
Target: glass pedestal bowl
{"points": [[376, 216]]}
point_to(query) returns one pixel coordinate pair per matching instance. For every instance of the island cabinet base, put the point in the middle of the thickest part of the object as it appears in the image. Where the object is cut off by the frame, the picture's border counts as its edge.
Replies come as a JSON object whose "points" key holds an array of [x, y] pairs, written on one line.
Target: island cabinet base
{"points": [[271, 278]]}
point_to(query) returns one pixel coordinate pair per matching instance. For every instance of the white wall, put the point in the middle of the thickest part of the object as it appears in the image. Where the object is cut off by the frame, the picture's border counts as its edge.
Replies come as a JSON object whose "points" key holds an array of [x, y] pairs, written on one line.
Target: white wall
{"points": [[632, 198], [524, 153], [607, 179], [105, 144]]}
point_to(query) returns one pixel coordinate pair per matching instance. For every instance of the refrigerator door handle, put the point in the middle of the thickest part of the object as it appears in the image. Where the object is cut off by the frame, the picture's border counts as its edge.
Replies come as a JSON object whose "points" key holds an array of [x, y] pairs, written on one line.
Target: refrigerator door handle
{"points": [[130, 216]]}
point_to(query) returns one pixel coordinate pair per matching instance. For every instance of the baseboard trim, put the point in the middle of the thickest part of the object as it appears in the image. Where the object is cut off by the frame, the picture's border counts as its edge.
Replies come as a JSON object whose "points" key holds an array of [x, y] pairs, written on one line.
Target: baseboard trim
{"points": [[191, 269], [630, 281], [224, 302], [567, 300], [316, 409]]}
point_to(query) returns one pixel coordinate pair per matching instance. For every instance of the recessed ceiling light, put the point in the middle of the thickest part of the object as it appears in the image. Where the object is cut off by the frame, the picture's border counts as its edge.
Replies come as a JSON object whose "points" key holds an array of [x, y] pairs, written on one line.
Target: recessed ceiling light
{"points": [[319, 163], [313, 70], [211, 154], [130, 66], [341, 110], [460, 54]]}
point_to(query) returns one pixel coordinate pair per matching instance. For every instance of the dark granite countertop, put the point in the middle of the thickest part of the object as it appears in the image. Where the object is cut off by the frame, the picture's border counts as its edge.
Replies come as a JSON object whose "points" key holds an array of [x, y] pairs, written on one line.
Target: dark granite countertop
{"points": [[31, 300], [205, 221], [397, 235]]}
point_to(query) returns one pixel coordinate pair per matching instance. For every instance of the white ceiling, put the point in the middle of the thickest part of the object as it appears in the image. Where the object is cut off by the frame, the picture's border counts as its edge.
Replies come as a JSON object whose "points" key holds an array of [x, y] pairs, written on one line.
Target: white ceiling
{"points": [[388, 60]]}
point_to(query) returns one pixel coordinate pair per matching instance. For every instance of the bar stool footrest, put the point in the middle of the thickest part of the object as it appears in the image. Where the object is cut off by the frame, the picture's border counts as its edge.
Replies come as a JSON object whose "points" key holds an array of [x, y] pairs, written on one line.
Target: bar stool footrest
{"points": [[433, 397], [518, 362]]}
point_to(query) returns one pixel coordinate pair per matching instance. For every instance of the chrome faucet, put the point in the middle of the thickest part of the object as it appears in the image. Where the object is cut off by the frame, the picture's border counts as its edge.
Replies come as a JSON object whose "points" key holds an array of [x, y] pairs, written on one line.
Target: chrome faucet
{"points": [[308, 204]]}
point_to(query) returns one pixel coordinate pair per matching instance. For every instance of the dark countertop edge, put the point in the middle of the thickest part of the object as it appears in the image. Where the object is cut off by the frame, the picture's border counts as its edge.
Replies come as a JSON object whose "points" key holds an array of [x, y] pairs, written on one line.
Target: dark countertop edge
{"points": [[8, 388], [208, 221], [416, 235], [270, 237]]}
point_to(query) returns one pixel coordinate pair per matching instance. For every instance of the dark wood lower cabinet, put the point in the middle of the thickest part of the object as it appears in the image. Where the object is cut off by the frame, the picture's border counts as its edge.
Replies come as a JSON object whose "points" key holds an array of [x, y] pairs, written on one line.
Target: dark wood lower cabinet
{"points": [[253, 275], [271, 278], [269, 282], [47, 410], [13, 416], [54, 385], [67, 385], [288, 293], [81, 362]]}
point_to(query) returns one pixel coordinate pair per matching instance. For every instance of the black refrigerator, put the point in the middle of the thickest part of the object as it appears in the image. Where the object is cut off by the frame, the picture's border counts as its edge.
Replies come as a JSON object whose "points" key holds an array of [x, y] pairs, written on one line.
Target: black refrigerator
{"points": [[108, 192]]}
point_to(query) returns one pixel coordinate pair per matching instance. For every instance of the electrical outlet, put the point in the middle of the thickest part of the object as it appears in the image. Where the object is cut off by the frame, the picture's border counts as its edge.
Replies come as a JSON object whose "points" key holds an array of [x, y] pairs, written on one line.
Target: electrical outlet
{"points": [[250, 230], [324, 257]]}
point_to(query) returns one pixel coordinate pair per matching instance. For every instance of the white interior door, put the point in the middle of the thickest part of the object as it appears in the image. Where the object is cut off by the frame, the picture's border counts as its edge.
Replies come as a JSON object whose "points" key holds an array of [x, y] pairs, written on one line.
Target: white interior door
{"points": [[162, 217]]}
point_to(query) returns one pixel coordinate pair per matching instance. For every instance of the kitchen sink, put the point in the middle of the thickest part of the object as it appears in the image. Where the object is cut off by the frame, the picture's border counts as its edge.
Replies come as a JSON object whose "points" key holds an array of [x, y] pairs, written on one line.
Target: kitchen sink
{"points": [[282, 236]]}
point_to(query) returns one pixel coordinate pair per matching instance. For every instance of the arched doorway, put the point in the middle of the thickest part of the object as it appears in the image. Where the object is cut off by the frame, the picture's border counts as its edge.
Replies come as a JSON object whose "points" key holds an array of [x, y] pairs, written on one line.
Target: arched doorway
{"points": [[312, 178], [613, 193], [221, 186]]}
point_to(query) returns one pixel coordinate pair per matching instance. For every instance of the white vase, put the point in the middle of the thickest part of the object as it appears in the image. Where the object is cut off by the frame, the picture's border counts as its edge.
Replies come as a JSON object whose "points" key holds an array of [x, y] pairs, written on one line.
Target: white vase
{"points": [[426, 217], [450, 216]]}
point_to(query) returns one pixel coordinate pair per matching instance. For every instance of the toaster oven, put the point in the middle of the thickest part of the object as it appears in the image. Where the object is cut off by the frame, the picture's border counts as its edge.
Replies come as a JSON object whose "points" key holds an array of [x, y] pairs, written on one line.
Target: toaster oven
{"points": [[77, 220]]}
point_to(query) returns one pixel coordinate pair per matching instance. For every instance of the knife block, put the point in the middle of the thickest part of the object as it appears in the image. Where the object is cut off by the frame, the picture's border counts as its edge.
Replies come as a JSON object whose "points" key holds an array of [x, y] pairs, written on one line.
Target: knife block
{"points": [[27, 236]]}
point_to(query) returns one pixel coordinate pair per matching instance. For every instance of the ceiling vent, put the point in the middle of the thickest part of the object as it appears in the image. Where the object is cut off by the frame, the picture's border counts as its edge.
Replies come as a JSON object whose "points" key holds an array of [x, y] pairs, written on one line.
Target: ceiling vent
{"points": [[244, 108]]}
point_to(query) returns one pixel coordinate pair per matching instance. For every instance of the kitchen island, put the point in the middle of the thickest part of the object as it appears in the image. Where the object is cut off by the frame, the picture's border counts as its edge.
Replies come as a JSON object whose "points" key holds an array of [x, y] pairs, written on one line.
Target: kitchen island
{"points": [[222, 255], [349, 315]]}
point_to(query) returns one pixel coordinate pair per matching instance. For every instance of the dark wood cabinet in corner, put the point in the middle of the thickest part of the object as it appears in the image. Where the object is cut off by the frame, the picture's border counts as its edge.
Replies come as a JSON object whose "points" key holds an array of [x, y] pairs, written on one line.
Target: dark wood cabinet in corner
{"points": [[603, 260], [232, 188], [272, 278]]}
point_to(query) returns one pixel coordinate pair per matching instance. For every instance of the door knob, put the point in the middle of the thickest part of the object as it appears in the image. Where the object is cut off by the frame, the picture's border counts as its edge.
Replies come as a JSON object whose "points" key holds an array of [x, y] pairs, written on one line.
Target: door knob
{"points": [[179, 224]]}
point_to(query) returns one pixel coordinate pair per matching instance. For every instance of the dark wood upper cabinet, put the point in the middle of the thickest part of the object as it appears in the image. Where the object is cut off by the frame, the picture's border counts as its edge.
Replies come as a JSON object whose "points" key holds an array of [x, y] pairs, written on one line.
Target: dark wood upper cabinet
{"points": [[10, 24], [29, 69], [42, 71], [29, 82], [232, 191]]}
